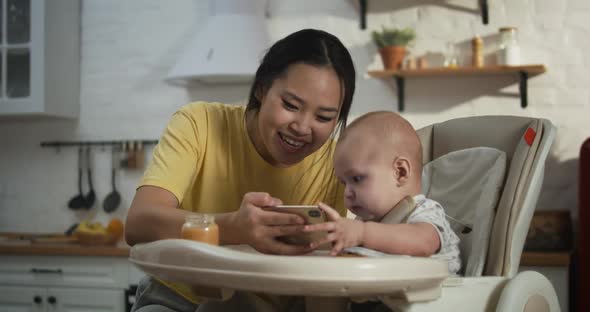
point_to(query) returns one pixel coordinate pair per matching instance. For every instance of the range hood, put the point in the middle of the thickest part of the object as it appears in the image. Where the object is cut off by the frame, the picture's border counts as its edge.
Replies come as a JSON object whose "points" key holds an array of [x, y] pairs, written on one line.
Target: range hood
{"points": [[228, 48]]}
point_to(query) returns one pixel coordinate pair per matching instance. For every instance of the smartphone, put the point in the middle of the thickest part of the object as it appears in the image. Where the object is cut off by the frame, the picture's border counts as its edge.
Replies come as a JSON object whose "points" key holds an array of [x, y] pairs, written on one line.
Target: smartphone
{"points": [[311, 214]]}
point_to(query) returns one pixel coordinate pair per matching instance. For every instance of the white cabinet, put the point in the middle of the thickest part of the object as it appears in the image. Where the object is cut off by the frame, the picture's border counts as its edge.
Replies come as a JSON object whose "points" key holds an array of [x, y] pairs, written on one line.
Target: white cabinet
{"points": [[75, 299], [40, 58], [60, 284], [20, 299]]}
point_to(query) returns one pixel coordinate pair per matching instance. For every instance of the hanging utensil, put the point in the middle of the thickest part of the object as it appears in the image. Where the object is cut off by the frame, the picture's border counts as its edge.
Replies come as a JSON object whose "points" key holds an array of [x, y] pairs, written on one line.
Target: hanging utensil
{"points": [[70, 231], [123, 160], [113, 199], [139, 155], [79, 200], [131, 156], [91, 196]]}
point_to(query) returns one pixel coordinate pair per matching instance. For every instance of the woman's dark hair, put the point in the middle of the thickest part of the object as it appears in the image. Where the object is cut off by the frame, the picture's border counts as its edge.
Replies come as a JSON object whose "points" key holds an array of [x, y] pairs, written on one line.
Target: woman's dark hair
{"points": [[307, 46]]}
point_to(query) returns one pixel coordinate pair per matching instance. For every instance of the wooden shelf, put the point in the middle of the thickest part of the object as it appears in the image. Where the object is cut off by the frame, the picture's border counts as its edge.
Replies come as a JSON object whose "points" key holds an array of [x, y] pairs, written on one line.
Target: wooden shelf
{"points": [[483, 8], [523, 71], [459, 71]]}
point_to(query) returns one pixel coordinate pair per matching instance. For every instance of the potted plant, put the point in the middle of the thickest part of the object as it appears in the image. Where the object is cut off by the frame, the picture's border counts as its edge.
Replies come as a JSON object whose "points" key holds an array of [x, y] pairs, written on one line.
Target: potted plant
{"points": [[392, 45]]}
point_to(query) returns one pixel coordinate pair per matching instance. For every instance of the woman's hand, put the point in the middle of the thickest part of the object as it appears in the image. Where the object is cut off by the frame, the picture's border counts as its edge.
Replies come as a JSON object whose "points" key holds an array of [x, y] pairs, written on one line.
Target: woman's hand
{"points": [[259, 228], [342, 232]]}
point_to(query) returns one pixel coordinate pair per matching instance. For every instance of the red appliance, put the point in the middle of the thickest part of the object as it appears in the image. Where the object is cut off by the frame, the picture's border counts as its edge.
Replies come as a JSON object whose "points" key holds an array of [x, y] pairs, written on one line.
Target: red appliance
{"points": [[584, 229]]}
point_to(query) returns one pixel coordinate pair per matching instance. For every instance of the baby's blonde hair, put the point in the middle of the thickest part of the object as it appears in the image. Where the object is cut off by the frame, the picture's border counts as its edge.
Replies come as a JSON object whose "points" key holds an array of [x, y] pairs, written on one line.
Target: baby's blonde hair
{"points": [[397, 135]]}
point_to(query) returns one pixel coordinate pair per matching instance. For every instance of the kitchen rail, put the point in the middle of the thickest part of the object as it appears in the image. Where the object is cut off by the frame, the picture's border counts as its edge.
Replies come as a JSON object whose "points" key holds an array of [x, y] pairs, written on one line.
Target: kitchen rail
{"points": [[58, 144]]}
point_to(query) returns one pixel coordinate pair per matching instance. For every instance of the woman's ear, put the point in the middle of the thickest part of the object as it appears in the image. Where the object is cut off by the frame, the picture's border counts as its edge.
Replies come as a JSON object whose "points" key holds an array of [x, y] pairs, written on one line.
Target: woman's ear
{"points": [[259, 94], [402, 170]]}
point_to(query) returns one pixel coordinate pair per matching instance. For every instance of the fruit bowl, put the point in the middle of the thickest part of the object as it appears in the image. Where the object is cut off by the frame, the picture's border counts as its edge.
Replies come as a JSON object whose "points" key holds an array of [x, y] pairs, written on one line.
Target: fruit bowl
{"points": [[94, 233]]}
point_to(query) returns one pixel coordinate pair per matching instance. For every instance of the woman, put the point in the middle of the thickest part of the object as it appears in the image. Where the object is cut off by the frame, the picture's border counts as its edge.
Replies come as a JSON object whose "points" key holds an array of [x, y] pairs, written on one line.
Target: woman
{"points": [[231, 160]]}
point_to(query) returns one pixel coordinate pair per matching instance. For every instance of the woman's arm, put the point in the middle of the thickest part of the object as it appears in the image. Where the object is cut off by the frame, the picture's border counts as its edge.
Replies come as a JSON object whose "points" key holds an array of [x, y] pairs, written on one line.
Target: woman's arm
{"points": [[153, 216]]}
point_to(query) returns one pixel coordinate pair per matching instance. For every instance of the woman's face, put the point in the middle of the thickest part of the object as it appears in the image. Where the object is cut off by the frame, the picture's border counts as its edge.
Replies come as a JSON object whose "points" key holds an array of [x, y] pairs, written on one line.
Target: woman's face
{"points": [[297, 114]]}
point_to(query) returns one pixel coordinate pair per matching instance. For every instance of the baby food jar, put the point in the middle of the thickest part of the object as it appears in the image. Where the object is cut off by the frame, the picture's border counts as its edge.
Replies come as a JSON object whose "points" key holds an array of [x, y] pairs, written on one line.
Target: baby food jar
{"points": [[200, 227]]}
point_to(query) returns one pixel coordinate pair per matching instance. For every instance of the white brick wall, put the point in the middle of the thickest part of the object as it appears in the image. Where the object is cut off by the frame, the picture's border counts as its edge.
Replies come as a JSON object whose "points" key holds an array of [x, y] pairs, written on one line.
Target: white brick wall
{"points": [[128, 47]]}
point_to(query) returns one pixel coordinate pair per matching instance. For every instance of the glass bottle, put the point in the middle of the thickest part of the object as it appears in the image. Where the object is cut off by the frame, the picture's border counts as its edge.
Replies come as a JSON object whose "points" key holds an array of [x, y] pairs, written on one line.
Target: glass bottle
{"points": [[450, 55], [477, 52], [509, 50], [200, 227]]}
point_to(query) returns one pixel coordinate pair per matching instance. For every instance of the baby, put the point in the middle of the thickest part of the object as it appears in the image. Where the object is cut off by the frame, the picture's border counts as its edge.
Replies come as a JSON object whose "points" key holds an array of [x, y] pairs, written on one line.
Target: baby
{"points": [[379, 161]]}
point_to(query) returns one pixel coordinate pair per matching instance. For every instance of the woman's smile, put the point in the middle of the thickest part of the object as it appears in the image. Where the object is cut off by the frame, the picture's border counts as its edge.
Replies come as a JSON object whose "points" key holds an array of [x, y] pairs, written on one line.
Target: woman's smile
{"points": [[290, 144]]}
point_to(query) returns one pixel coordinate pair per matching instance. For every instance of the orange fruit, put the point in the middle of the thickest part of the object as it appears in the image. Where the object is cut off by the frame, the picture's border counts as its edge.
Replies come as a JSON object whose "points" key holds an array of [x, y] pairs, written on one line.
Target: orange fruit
{"points": [[116, 228]]}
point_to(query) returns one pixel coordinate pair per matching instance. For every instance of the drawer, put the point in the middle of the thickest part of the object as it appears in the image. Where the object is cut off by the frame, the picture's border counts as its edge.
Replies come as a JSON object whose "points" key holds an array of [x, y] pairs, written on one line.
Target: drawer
{"points": [[98, 272]]}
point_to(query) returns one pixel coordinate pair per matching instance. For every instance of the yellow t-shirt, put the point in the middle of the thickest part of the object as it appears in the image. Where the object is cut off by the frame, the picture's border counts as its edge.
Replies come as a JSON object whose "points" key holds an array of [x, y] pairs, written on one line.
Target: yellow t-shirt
{"points": [[206, 159]]}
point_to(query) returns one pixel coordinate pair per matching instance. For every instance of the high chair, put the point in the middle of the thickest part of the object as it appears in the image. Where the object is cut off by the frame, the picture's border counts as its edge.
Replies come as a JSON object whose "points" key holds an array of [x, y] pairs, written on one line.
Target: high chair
{"points": [[402, 283]]}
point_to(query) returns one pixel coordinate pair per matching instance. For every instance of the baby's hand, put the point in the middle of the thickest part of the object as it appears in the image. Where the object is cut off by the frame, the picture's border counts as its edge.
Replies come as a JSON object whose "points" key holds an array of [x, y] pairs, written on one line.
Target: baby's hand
{"points": [[342, 232]]}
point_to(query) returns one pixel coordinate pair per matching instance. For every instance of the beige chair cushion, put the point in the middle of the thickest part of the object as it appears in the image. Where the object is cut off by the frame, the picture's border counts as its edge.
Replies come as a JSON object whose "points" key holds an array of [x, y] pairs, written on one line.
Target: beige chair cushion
{"points": [[512, 205], [467, 183], [526, 142]]}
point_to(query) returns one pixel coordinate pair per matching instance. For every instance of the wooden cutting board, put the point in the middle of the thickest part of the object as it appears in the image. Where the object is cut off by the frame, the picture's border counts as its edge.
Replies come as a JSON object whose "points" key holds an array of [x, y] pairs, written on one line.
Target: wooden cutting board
{"points": [[55, 240], [39, 238]]}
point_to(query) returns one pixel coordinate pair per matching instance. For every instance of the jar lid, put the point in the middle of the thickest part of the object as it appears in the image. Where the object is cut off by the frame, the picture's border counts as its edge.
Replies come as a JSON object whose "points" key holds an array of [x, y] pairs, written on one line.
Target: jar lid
{"points": [[200, 218]]}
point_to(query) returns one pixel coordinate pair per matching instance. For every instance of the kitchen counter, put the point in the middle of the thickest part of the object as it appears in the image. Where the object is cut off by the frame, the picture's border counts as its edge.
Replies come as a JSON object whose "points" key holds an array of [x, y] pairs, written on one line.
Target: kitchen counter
{"points": [[27, 248]]}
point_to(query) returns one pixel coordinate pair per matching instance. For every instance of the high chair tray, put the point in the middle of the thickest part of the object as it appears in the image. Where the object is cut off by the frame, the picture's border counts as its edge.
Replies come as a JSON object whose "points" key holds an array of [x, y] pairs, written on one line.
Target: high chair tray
{"points": [[317, 274]]}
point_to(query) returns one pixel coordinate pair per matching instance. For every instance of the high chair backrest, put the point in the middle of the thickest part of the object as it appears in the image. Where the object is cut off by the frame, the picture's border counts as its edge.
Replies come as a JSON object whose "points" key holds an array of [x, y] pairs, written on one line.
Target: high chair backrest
{"points": [[526, 142]]}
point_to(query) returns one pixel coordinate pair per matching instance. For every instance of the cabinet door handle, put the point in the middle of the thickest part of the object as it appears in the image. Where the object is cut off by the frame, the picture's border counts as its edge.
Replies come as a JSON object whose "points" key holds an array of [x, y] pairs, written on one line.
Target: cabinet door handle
{"points": [[37, 299], [51, 300], [46, 271]]}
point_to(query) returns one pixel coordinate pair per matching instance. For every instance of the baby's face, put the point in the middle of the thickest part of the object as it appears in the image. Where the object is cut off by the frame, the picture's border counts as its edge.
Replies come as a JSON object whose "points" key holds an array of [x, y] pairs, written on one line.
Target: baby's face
{"points": [[371, 188]]}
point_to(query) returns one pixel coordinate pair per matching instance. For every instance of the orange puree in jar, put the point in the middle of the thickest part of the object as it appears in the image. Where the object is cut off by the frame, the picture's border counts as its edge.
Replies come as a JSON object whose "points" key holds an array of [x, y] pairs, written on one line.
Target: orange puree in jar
{"points": [[200, 227]]}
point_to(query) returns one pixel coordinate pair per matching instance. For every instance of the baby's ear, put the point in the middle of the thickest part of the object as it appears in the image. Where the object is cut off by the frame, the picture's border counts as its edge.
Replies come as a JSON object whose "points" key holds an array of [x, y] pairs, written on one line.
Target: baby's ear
{"points": [[402, 170]]}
